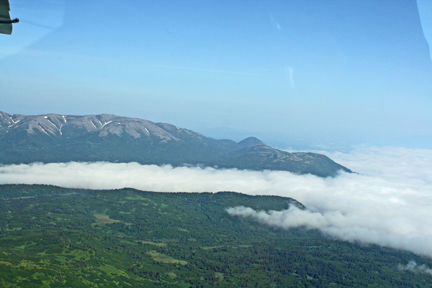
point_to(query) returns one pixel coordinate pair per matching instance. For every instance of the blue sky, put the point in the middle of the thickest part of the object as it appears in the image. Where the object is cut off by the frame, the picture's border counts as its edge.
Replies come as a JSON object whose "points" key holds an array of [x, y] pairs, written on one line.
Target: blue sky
{"points": [[293, 73]]}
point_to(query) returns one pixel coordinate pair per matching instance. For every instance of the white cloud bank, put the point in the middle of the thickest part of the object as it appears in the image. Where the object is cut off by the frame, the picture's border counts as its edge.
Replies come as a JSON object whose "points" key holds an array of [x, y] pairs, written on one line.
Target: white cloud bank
{"points": [[389, 203]]}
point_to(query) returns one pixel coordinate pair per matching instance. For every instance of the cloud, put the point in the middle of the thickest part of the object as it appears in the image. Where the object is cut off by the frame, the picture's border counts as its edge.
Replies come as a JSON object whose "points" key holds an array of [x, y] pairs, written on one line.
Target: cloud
{"points": [[413, 267], [206, 70], [290, 218], [289, 71], [275, 23], [396, 232], [388, 203]]}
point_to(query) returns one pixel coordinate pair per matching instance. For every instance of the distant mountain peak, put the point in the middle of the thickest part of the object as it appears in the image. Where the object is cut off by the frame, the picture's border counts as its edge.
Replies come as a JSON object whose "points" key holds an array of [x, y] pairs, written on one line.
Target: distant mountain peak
{"points": [[250, 141]]}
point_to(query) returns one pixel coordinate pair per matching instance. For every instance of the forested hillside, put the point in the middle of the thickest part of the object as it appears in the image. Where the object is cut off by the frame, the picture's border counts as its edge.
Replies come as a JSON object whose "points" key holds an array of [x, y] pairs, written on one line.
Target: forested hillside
{"points": [[60, 237]]}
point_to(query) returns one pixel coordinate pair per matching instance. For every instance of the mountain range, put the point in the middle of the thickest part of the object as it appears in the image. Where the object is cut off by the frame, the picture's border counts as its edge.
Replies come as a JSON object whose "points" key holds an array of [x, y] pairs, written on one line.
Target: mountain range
{"points": [[62, 138]]}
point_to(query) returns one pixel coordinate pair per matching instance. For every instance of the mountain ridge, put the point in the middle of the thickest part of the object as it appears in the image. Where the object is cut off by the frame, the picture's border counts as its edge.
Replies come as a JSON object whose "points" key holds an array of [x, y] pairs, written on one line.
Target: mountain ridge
{"points": [[105, 137]]}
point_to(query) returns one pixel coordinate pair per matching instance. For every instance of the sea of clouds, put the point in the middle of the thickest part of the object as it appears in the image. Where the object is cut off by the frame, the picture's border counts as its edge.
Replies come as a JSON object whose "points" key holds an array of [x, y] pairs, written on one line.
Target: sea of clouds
{"points": [[388, 202]]}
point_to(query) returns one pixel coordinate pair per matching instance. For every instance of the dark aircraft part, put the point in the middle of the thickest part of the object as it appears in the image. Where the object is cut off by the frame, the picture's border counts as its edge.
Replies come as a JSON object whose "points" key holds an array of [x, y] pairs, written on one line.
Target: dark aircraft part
{"points": [[5, 20], [16, 20]]}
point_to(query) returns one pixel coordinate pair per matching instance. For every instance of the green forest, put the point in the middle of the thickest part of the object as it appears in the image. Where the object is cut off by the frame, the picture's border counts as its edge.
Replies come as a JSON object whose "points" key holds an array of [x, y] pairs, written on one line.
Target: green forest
{"points": [[58, 237]]}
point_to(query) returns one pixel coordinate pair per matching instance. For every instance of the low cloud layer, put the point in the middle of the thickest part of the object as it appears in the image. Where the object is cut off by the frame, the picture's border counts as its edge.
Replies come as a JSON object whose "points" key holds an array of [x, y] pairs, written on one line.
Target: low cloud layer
{"points": [[388, 203]]}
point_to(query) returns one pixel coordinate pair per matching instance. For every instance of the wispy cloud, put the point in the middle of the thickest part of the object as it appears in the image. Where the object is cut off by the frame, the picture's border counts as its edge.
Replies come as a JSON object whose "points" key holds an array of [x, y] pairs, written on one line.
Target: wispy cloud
{"points": [[388, 203], [206, 70], [413, 267], [275, 23], [290, 76]]}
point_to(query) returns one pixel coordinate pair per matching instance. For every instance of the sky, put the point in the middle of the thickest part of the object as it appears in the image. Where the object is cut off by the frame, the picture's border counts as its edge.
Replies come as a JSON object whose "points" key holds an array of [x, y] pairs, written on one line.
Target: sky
{"points": [[299, 74], [387, 202]]}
